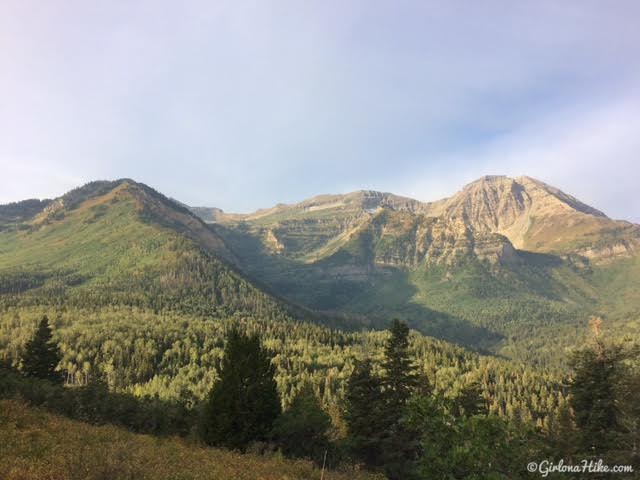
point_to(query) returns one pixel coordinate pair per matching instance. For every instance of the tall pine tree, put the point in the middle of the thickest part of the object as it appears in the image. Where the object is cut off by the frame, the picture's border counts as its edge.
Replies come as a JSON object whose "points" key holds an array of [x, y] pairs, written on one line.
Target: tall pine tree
{"points": [[400, 378], [244, 403], [363, 399], [597, 371], [377, 406], [399, 382], [41, 356], [469, 401]]}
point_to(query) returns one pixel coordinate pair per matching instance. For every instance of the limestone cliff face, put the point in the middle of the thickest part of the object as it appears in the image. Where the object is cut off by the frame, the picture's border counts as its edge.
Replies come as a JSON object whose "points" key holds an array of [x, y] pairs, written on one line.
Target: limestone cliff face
{"points": [[537, 217], [489, 219], [440, 241], [510, 206]]}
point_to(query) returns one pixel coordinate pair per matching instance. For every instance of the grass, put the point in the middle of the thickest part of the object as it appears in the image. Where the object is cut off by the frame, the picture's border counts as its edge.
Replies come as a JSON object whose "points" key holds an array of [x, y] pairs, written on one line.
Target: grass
{"points": [[80, 244], [35, 444]]}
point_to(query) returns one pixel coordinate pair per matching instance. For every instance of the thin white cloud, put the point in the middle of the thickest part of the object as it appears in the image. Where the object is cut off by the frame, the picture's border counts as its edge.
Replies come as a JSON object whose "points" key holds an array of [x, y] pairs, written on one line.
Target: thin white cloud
{"points": [[211, 100], [591, 152]]}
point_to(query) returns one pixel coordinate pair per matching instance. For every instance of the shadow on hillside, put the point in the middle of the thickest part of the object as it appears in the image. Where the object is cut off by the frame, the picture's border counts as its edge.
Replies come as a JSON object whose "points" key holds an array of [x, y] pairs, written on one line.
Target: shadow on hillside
{"points": [[540, 259], [350, 294]]}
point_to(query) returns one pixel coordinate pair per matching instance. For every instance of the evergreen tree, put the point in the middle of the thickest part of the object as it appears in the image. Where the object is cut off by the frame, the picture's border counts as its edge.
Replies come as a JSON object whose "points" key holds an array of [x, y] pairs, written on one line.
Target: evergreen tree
{"points": [[42, 355], [597, 371], [470, 401], [363, 399], [400, 378], [244, 403], [399, 382], [301, 431]]}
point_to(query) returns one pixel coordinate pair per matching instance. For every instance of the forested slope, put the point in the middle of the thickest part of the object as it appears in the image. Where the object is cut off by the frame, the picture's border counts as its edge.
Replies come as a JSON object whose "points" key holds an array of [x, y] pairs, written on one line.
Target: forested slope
{"points": [[122, 243]]}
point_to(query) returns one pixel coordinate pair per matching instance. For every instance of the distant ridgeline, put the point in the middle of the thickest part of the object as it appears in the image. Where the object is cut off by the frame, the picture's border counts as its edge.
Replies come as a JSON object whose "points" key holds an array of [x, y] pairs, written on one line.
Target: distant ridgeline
{"points": [[141, 290]]}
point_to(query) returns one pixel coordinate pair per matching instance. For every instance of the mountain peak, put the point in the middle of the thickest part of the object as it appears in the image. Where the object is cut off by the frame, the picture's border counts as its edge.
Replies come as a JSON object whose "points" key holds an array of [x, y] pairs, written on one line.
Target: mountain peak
{"points": [[499, 192], [488, 179], [570, 201], [524, 209], [368, 200]]}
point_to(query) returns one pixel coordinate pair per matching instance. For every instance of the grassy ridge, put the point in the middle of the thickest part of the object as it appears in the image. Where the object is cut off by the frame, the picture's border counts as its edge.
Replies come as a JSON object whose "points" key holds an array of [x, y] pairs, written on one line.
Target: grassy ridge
{"points": [[39, 445], [118, 248]]}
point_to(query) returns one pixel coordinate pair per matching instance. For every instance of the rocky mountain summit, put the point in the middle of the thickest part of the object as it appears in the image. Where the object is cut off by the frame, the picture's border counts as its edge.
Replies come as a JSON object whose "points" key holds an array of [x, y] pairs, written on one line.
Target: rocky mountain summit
{"points": [[490, 218]]}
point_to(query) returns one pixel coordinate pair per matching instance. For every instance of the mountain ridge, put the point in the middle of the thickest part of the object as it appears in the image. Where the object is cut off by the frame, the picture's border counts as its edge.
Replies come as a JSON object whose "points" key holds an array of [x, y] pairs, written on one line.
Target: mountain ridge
{"points": [[431, 207], [500, 255], [524, 210], [123, 242]]}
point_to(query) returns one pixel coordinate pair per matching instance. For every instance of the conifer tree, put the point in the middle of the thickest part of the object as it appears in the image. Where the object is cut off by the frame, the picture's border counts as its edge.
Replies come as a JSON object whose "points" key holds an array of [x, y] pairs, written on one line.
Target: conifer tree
{"points": [[363, 399], [301, 431], [42, 355], [469, 401], [244, 403], [399, 382], [597, 372], [399, 379]]}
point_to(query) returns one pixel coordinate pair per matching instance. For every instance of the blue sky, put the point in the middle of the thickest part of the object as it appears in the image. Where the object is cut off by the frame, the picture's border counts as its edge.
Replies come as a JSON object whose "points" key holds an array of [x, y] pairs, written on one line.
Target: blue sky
{"points": [[241, 104]]}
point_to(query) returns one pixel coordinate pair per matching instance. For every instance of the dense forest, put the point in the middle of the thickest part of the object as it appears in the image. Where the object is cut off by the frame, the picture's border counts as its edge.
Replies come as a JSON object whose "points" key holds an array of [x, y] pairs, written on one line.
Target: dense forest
{"points": [[390, 414], [173, 356]]}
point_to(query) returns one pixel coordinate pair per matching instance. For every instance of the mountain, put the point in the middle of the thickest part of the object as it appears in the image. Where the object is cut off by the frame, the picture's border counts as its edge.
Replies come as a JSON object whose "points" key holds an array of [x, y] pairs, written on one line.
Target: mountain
{"points": [[121, 242], [537, 217], [496, 264], [522, 213], [513, 266], [141, 291], [141, 294], [17, 212]]}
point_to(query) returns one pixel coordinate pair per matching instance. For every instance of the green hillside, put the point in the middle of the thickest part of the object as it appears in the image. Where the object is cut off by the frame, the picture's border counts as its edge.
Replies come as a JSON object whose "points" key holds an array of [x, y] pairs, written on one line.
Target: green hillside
{"points": [[122, 243]]}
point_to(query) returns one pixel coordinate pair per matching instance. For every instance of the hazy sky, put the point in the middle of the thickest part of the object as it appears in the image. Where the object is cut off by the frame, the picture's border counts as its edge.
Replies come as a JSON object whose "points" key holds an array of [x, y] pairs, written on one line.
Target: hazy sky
{"points": [[242, 104]]}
